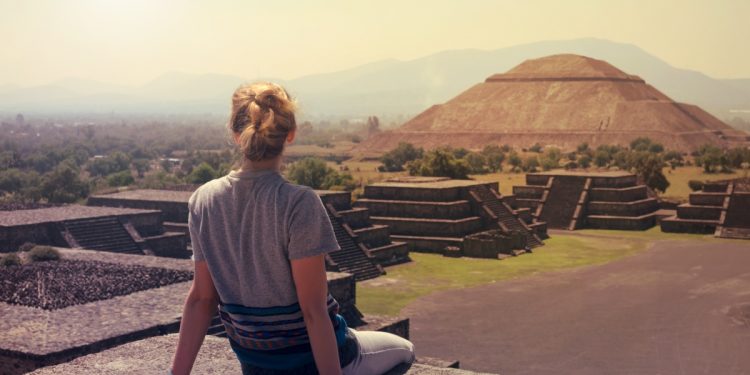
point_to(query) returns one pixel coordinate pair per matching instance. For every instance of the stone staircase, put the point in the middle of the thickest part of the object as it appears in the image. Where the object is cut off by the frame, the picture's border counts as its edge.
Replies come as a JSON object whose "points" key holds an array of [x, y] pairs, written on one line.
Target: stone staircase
{"points": [[560, 206], [352, 258], [705, 211], [100, 233], [507, 220]]}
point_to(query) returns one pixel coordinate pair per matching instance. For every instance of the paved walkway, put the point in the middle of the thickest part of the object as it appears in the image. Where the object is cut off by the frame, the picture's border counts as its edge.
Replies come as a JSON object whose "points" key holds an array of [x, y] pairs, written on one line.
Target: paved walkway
{"points": [[681, 307]]}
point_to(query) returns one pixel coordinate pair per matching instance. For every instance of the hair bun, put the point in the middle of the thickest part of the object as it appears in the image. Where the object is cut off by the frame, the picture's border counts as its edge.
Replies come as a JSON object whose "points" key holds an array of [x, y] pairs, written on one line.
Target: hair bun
{"points": [[266, 99]]}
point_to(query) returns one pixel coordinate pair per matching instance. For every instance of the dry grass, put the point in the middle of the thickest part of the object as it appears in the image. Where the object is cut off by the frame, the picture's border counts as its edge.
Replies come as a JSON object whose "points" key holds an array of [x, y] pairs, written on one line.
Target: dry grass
{"points": [[678, 180]]}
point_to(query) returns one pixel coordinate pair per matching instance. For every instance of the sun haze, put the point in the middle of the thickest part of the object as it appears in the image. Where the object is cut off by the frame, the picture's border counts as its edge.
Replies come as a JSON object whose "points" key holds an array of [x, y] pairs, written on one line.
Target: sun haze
{"points": [[131, 42]]}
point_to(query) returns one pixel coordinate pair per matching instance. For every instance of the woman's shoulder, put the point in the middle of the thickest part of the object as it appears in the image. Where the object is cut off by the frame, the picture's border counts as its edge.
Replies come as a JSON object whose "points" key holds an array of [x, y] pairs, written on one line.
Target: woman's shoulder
{"points": [[209, 191], [298, 193]]}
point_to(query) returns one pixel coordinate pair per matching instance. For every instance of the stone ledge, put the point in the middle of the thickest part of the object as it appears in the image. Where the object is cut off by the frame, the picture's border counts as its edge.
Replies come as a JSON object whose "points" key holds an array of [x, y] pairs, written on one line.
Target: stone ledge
{"points": [[153, 356]]}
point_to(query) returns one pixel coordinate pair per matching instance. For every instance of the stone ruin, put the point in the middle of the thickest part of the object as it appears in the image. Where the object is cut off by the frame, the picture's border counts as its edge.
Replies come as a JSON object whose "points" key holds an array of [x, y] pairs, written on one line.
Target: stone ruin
{"points": [[121, 230], [721, 208], [366, 248], [431, 214], [33, 337], [576, 200], [562, 100]]}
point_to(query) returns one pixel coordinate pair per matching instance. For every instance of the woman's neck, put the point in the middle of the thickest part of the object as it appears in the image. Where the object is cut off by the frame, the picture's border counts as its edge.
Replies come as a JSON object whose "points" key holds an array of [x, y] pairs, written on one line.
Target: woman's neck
{"points": [[263, 165]]}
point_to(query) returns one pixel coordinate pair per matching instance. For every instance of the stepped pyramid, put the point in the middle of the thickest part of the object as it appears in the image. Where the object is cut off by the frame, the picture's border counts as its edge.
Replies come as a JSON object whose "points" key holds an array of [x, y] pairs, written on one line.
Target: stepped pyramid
{"points": [[560, 100]]}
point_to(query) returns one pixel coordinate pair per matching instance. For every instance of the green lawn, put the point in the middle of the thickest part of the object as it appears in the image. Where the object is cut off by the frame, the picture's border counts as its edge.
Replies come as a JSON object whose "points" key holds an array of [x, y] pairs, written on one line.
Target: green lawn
{"points": [[429, 273], [678, 180]]}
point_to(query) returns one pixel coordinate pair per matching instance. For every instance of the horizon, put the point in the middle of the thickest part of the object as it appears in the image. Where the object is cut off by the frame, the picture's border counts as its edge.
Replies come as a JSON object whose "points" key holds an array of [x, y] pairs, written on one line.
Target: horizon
{"points": [[344, 69], [138, 41]]}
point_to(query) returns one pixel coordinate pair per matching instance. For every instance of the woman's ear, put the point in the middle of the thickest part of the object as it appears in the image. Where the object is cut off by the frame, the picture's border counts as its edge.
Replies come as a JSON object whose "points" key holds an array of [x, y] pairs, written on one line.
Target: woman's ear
{"points": [[236, 137], [290, 136]]}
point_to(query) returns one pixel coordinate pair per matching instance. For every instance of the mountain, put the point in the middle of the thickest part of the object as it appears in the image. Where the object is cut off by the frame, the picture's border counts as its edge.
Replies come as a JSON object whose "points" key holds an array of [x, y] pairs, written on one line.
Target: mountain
{"points": [[562, 100], [387, 87]]}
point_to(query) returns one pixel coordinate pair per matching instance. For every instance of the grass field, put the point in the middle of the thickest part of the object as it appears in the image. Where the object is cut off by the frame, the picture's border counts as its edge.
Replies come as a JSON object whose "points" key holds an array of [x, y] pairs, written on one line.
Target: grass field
{"points": [[678, 180], [366, 172], [430, 273]]}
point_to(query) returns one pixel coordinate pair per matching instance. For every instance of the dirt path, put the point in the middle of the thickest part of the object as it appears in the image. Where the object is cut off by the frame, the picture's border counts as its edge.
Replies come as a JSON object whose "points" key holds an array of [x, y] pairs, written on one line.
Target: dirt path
{"points": [[681, 307]]}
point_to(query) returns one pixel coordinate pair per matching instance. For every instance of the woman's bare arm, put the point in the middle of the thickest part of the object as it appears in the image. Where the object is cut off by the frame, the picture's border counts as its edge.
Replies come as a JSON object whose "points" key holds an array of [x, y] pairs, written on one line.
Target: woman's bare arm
{"points": [[312, 290], [200, 307]]}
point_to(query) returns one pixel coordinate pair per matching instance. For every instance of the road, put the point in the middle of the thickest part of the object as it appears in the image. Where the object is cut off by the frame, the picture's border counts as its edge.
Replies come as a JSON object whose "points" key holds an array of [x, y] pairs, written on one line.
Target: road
{"points": [[680, 307]]}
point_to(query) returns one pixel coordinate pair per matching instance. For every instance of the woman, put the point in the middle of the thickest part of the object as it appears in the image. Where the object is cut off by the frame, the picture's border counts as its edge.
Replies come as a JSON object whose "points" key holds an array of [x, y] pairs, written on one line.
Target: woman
{"points": [[259, 245]]}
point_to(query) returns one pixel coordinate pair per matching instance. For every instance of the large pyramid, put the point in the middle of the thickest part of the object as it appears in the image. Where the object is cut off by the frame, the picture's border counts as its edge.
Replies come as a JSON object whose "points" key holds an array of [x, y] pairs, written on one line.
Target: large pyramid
{"points": [[560, 100]]}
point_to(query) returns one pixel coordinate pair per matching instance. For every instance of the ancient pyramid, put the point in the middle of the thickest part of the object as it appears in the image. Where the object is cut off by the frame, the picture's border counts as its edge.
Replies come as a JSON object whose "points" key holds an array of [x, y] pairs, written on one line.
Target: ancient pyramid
{"points": [[561, 100]]}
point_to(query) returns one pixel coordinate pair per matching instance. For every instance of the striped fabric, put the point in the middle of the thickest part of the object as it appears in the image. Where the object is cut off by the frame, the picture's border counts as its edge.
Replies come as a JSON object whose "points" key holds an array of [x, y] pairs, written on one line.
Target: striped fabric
{"points": [[274, 337]]}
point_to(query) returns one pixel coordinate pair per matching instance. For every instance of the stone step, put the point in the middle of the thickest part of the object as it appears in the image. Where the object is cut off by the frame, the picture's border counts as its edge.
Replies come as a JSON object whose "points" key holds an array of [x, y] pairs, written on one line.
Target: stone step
{"points": [[429, 244], [393, 253], [690, 211], [430, 227], [677, 225], [436, 210], [642, 222], [374, 235]]}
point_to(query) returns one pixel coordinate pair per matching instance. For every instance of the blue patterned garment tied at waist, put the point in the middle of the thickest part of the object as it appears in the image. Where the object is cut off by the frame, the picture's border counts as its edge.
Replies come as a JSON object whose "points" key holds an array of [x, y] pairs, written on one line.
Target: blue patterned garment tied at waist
{"points": [[274, 337]]}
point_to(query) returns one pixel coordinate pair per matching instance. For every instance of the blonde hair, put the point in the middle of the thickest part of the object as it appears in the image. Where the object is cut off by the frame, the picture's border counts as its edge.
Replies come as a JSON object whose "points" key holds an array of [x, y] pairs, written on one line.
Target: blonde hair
{"points": [[263, 116]]}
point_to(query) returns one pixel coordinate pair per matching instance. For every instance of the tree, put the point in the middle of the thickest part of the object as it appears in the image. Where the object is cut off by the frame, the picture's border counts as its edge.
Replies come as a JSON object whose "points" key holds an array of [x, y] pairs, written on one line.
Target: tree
{"points": [[550, 159], [440, 162], [710, 157], [530, 164], [648, 166], [536, 148], [315, 173], [394, 160], [123, 178], [477, 163], [584, 161], [202, 174], [309, 171], [583, 147], [601, 158], [494, 157], [514, 160], [141, 166], [338, 181], [63, 184]]}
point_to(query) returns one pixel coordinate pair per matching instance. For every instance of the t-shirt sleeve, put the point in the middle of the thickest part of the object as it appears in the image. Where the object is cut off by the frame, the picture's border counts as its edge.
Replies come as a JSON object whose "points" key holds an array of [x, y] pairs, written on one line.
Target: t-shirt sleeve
{"points": [[194, 223], [310, 230]]}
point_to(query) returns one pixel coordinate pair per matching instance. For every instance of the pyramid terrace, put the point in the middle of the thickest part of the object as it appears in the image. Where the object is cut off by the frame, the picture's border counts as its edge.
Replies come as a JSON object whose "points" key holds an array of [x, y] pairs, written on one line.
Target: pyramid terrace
{"points": [[431, 214], [122, 230], [721, 208], [575, 200]]}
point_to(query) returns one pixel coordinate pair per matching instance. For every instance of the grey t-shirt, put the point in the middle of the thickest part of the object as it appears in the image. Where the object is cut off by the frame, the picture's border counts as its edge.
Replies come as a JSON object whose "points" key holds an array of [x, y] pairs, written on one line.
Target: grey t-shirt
{"points": [[248, 225]]}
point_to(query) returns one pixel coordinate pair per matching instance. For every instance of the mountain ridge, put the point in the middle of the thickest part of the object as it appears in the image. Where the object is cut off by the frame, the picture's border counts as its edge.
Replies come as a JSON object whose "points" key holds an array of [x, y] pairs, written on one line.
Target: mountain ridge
{"points": [[384, 87]]}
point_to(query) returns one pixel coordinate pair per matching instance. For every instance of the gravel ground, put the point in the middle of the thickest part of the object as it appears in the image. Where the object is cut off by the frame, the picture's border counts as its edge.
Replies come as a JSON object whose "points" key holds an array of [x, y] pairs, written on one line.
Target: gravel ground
{"points": [[63, 283]]}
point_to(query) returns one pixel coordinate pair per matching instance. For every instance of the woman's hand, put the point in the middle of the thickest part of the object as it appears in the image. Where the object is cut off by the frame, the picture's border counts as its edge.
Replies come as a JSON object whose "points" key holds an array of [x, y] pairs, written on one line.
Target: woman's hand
{"points": [[312, 291], [200, 307]]}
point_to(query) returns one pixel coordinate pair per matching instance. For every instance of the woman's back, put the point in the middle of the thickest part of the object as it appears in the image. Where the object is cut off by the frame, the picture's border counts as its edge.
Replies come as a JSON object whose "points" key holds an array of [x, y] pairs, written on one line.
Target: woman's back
{"points": [[249, 225]]}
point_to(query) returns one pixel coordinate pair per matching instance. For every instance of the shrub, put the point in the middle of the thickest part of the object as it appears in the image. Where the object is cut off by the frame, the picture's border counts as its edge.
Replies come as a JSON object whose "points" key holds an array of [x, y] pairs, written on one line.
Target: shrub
{"points": [[11, 259], [43, 254], [394, 160], [26, 246], [695, 185], [439, 162], [123, 178]]}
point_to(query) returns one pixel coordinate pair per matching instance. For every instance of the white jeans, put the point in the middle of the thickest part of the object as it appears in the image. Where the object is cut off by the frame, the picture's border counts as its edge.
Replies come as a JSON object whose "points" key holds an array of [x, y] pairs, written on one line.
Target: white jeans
{"points": [[379, 352]]}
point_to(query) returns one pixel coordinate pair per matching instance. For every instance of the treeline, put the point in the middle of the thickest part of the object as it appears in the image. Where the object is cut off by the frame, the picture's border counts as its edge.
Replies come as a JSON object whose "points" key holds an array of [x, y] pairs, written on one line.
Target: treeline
{"points": [[643, 157]]}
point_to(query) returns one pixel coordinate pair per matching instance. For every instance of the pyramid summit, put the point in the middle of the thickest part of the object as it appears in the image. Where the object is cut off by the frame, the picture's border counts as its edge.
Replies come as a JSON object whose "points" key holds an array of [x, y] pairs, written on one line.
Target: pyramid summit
{"points": [[561, 100]]}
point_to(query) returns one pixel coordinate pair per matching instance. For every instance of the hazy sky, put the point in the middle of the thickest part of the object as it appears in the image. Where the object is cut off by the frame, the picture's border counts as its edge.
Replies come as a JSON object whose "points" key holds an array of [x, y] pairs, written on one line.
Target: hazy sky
{"points": [[134, 41]]}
